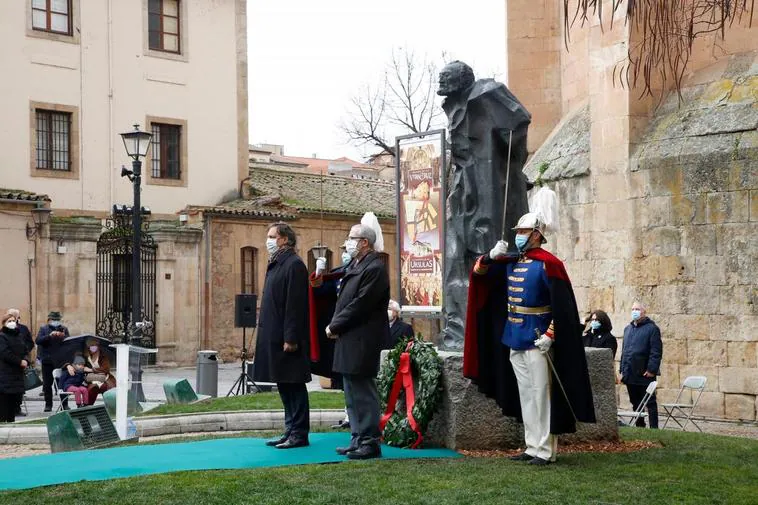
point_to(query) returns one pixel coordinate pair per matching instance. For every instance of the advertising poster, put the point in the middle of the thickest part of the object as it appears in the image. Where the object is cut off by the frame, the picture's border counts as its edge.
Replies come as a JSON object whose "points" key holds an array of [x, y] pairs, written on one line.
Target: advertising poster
{"points": [[420, 190]]}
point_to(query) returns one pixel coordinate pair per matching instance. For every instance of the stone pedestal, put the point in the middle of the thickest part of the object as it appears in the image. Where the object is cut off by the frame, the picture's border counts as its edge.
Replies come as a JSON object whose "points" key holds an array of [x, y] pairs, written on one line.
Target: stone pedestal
{"points": [[469, 420]]}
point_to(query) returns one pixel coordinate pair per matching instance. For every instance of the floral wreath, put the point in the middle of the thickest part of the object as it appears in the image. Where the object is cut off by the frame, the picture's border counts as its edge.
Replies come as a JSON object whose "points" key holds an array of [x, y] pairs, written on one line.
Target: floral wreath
{"points": [[414, 368]]}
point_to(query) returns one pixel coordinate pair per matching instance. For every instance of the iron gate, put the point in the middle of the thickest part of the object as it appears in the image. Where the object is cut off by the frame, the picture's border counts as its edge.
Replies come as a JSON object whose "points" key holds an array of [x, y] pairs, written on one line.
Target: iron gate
{"points": [[113, 295]]}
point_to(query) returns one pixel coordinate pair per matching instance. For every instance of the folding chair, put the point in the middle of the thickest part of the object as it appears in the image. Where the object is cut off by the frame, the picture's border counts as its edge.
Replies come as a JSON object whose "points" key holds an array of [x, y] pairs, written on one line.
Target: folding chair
{"points": [[57, 393], [679, 410], [633, 415]]}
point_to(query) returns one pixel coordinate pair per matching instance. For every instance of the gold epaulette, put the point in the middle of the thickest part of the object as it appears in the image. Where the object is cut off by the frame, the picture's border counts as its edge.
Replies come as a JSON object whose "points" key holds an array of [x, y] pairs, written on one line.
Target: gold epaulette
{"points": [[480, 268]]}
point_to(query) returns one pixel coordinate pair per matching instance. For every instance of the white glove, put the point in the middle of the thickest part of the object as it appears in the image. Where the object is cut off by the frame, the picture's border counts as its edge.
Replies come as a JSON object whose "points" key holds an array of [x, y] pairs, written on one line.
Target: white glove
{"points": [[320, 265], [500, 249], [543, 343], [329, 333]]}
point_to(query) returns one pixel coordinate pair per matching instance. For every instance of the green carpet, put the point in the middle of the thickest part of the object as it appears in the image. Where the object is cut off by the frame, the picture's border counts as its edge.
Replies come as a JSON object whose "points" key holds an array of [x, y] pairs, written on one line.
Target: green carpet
{"points": [[220, 454]]}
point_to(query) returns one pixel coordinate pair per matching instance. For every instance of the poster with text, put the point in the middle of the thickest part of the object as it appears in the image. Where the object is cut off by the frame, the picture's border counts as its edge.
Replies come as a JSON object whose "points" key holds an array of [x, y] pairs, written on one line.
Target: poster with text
{"points": [[420, 220]]}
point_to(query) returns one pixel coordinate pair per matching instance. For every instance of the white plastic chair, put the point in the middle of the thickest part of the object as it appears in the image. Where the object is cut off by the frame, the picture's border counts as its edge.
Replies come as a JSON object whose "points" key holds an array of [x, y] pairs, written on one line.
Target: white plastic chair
{"points": [[683, 411], [57, 393], [634, 415]]}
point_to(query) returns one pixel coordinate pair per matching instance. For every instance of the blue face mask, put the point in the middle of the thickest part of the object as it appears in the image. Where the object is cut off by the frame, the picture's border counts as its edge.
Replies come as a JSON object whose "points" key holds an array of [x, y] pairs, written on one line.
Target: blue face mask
{"points": [[55, 324], [346, 258], [521, 241], [595, 325], [635, 314]]}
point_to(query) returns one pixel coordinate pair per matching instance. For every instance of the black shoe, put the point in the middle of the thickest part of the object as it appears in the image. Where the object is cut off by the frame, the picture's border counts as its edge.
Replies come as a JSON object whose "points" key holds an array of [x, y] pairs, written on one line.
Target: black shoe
{"points": [[521, 457], [539, 461], [274, 443], [342, 451], [292, 443], [342, 425], [48, 408], [366, 451]]}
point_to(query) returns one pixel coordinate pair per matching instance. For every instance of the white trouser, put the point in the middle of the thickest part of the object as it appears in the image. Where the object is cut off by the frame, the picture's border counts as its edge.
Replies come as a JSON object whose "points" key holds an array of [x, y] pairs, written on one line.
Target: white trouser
{"points": [[533, 377]]}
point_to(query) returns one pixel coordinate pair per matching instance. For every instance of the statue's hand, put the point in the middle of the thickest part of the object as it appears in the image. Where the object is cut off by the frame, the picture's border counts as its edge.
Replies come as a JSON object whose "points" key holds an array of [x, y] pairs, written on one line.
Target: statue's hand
{"points": [[500, 249]]}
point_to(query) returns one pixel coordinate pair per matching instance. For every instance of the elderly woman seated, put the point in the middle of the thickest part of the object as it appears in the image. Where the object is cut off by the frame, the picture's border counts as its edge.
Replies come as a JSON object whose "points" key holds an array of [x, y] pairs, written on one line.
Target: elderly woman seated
{"points": [[99, 378]]}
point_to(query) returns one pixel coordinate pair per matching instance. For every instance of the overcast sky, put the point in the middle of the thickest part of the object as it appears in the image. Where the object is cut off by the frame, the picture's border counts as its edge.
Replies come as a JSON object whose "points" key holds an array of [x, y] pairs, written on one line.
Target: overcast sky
{"points": [[307, 58]]}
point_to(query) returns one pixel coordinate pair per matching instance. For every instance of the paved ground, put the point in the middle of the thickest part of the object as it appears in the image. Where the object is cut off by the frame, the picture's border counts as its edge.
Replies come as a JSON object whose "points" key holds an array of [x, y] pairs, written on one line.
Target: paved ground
{"points": [[152, 384]]}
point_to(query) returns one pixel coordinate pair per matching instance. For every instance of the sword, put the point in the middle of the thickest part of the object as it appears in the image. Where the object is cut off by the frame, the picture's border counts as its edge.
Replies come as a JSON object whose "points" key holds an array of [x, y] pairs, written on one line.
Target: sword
{"points": [[507, 179], [557, 379]]}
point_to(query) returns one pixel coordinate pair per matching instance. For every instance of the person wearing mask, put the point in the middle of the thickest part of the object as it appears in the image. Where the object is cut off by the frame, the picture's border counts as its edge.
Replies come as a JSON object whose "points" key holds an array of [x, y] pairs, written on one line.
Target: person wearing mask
{"points": [[281, 349], [26, 336], [73, 381], [523, 336], [12, 364], [598, 332], [360, 325], [49, 340], [98, 368], [641, 354], [399, 329]]}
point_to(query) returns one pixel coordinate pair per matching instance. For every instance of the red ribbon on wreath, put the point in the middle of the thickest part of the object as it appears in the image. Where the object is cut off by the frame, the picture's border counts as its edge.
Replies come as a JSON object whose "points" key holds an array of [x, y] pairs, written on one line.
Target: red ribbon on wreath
{"points": [[403, 379]]}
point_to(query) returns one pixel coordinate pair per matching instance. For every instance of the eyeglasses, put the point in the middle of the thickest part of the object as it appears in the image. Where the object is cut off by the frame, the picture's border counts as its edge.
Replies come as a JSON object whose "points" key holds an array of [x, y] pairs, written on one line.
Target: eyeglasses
{"points": [[356, 238]]}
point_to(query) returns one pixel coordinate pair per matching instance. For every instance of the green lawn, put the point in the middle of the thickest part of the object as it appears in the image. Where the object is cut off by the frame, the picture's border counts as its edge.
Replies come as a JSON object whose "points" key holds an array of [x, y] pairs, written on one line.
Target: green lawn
{"points": [[257, 401], [688, 468]]}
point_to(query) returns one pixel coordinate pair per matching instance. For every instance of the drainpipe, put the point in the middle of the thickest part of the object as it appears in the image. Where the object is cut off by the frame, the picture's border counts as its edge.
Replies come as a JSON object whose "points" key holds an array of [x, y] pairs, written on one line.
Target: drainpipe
{"points": [[206, 291]]}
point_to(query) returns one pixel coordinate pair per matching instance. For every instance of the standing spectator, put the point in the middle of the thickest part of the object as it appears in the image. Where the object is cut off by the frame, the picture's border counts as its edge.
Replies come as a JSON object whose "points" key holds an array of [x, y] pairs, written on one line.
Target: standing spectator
{"points": [[12, 365], [598, 333], [641, 354], [281, 350], [399, 329], [26, 336], [49, 340], [360, 325]]}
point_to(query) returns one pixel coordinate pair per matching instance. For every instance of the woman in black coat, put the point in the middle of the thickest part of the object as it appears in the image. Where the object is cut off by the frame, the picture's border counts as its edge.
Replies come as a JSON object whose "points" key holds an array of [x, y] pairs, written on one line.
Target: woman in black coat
{"points": [[598, 333], [281, 349], [12, 365]]}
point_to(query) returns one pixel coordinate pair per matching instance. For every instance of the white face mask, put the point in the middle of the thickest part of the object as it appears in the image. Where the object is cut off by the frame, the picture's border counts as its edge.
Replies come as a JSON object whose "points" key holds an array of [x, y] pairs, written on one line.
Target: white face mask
{"points": [[390, 315], [55, 324], [11, 325], [351, 247], [271, 246]]}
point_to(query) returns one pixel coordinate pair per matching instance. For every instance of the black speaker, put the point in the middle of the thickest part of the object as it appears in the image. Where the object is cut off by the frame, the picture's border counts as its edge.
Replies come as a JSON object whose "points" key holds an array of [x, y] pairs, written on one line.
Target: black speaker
{"points": [[244, 311]]}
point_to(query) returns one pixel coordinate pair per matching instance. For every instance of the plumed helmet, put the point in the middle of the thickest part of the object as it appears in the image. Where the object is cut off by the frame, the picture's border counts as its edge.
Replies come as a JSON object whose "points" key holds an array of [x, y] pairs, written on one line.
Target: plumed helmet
{"points": [[533, 221]]}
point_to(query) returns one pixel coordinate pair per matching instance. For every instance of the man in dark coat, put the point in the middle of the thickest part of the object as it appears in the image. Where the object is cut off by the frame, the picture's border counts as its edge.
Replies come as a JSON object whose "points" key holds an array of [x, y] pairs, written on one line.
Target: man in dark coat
{"points": [[486, 124], [641, 353], [520, 309], [360, 325], [49, 341], [399, 329], [26, 336], [281, 349]]}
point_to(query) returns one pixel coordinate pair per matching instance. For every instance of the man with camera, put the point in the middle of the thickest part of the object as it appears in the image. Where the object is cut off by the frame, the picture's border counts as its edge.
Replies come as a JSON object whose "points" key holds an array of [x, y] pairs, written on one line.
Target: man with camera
{"points": [[49, 341]]}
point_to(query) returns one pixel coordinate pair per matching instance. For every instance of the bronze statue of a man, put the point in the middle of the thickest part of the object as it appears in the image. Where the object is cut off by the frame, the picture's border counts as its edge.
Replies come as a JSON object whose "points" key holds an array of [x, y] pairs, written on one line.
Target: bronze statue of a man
{"points": [[482, 117]]}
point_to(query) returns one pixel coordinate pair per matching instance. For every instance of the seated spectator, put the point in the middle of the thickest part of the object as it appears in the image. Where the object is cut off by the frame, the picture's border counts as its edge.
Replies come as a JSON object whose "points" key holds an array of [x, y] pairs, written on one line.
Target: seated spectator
{"points": [[598, 332], [73, 381], [98, 368], [399, 329]]}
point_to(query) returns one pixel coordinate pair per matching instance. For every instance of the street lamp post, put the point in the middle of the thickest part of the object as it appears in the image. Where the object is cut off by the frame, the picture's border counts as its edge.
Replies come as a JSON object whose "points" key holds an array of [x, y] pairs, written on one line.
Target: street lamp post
{"points": [[136, 143]]}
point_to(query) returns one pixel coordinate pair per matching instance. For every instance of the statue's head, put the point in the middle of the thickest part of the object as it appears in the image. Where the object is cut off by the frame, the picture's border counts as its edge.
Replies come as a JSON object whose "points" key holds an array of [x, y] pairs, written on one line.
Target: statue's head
{"points": [[454, 78]]}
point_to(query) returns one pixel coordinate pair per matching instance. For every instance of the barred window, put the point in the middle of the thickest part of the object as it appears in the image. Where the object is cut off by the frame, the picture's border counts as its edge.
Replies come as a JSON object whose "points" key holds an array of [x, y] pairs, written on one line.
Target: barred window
{"points": [[249, 260], [166, 151], [52, 16], [163, 25], [53, 140]]}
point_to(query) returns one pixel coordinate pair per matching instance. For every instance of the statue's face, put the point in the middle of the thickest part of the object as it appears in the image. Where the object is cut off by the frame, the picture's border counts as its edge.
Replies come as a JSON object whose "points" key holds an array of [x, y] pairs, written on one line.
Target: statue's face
{"points": [[448, 81]]}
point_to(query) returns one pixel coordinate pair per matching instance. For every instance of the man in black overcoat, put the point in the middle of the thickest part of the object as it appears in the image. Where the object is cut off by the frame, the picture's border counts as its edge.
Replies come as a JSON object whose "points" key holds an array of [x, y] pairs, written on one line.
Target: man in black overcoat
{"points": [[360, 326], [281, 349]]}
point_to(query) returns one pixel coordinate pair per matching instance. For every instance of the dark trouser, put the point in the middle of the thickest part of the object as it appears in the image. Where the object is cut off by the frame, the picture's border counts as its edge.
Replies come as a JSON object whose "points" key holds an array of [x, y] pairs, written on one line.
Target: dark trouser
{"points": [[297, 421], [636, 393], [8, 406], [47, 382], [362, 400]]}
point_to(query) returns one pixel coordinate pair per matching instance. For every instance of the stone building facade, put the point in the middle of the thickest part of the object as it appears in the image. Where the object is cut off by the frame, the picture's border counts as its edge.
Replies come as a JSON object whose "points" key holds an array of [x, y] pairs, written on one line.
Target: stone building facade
{"points": [[658, 198]]}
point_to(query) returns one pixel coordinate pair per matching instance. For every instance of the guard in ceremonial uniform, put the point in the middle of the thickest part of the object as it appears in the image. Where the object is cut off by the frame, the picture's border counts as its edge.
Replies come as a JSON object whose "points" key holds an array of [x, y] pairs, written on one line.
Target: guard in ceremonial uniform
{"points": [[520, 309]]}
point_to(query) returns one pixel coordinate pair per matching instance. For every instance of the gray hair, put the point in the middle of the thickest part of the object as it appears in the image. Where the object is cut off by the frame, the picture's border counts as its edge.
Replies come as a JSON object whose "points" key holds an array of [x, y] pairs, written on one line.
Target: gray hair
{"points": [[641, 305], [368, 233], [14, 312], [393, 305]]}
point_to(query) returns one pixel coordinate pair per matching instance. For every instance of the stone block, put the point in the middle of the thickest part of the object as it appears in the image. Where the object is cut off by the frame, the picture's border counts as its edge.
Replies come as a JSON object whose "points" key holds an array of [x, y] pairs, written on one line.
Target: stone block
{"points": [[712, 374], [601, 297], [669, 299], [739, 380], [676, 269], [707, 352], [710, 270], [699, 240], [737, 300], [661, 241], [754, 205], [611, 188], [469, 420], [743, 175], [748, 329], [739, 407], [711, 404], [607, 272], [669, 378], [742, 354], [724, 327], [654, 211], [675, 351], [615, 244], [666, 180], [728, 207], [691, 328], [688, 209], [700, 178], [641, 271], [701, 299]]}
